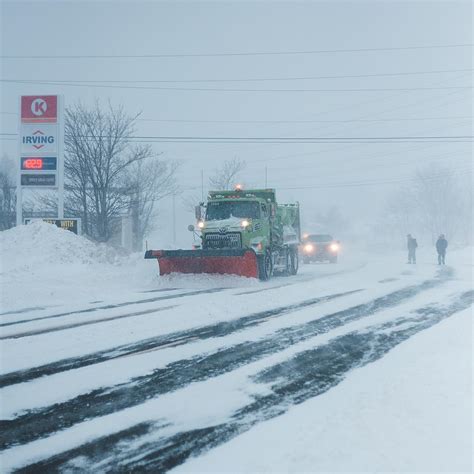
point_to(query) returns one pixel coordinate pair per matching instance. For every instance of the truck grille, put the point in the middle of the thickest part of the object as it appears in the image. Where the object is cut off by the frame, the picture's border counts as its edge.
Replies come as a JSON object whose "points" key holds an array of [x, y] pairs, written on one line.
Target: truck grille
{"points": [[231, 240]]}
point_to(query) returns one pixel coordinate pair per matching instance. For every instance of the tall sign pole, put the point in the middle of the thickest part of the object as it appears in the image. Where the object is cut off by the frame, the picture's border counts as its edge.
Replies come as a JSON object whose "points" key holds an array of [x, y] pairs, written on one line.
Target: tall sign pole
{"points": [[19, 190], [60, 157], [41, 147]]}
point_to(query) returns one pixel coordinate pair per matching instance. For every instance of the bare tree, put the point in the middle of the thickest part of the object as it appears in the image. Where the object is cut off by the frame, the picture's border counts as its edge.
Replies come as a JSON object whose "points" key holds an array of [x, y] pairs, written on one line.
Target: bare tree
{"points": [[191, 201], [148, 181], [225, 176], [440, 201], [7, 193], [437, 202], [98, 150]]}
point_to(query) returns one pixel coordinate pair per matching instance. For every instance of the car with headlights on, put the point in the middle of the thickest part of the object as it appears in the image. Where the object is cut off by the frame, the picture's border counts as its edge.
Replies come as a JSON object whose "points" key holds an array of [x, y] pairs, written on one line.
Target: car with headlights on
{"points": [[319, 248]]}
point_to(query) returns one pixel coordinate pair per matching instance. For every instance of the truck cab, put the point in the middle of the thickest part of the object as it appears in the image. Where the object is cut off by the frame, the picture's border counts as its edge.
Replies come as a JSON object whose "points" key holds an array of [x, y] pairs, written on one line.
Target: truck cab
{"points": [[236, 221]]}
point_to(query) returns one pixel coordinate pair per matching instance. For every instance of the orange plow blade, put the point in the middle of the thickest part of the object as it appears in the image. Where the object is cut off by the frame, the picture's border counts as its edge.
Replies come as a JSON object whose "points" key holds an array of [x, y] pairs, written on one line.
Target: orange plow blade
{"points": [[240, 262]]}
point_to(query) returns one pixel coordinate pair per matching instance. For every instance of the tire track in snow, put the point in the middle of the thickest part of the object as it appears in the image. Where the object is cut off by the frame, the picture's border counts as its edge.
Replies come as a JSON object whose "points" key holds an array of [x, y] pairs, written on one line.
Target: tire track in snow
{"points": [[304, 279], [24, 310], [306, 375], [83, 323], [160, 290], [220, 329], [112, 306], [38, 423]]}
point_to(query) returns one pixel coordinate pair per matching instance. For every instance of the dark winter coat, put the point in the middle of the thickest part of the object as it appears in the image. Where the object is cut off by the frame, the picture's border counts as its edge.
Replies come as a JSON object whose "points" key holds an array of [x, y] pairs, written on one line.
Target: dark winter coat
{"points": [[441, 245], [412, 244]]}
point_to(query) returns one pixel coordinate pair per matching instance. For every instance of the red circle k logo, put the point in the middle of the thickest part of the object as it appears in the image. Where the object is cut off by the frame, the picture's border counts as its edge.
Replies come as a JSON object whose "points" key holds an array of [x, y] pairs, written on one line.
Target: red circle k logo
{"points": [[39, 107]]}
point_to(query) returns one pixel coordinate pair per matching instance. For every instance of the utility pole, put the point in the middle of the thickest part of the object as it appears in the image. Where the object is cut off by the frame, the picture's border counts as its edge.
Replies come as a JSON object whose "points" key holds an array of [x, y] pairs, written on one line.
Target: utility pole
{"points": [[174, 218], [202, 185], [266, 176]]}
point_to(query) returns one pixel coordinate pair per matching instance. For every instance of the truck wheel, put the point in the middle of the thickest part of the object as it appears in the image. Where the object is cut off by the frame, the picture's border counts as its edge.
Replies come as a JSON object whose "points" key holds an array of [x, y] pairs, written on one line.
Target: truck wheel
{"points": [[265, 266], [287, 270], [294, 262]]}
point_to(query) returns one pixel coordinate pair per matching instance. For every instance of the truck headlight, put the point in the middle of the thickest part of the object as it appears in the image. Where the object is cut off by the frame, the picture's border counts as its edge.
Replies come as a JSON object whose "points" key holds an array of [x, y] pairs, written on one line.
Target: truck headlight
{"points": [[308, 247], [245, 223], [201, 224]]}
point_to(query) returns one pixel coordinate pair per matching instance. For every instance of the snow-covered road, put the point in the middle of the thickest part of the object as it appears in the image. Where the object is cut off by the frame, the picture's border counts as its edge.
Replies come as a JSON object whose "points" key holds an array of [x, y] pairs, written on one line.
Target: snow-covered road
{"points": [[159, 371]]}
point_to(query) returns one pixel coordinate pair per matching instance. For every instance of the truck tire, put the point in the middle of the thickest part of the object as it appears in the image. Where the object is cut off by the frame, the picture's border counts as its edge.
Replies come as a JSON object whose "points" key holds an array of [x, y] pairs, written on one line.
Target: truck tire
{"points": [[294, 262], [287, 270], [265, 266]]}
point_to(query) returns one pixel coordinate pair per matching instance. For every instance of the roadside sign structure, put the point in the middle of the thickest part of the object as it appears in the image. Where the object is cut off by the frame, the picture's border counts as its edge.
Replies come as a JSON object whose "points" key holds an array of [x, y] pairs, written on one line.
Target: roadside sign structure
{"points": [[73, 225], [40, 147]]}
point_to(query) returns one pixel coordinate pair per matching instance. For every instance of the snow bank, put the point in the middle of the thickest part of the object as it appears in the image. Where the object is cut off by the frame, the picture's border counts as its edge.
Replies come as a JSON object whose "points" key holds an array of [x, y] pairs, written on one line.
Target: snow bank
{"points": [[42, 265], [40, 243]]}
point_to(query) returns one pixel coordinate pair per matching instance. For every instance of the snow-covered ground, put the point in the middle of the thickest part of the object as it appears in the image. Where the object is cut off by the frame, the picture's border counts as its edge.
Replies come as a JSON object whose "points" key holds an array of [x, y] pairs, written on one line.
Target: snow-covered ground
{"points": [[361, 366], [408, 412]]}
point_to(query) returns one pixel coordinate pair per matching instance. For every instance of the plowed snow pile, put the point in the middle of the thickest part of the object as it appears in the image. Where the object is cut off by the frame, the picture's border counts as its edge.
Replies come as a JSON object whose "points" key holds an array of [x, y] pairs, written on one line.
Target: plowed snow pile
{"points": [[40, 243], [41, 264]]}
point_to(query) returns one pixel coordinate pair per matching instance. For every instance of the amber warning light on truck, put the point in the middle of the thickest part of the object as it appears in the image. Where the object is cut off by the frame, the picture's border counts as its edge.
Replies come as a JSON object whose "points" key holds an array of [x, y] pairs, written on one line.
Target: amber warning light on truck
{"points": [[46, 163]]}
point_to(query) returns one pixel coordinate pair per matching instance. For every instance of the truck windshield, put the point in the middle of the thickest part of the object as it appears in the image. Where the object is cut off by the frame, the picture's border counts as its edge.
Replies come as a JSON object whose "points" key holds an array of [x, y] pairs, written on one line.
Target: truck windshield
{"points": [[220, 210], [320, 238]]}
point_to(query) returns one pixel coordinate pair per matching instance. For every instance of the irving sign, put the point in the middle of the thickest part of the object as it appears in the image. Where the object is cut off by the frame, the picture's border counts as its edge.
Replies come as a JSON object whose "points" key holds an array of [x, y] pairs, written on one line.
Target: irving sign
{"points": [[37, 138]]}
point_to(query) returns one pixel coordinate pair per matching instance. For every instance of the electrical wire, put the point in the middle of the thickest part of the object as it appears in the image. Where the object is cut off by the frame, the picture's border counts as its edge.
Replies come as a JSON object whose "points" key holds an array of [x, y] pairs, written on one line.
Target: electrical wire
{"points": [[401, 119], [262, 79], [215, 89], [245, 53]]}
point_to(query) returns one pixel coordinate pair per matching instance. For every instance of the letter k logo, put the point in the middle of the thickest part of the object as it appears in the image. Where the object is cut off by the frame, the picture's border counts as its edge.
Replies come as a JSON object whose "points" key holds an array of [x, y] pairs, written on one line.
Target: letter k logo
{"points": [[39, 107]]}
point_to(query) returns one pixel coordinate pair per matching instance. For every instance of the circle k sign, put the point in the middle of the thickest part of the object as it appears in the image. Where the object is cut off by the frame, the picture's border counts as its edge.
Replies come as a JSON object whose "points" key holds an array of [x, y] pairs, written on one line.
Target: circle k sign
{"points": [[39, 109]]}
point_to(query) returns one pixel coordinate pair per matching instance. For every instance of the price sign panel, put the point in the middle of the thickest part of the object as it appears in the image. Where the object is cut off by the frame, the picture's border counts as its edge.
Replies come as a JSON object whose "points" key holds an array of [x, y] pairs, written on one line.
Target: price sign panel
{"points": [[30, 179], [43, 163]]}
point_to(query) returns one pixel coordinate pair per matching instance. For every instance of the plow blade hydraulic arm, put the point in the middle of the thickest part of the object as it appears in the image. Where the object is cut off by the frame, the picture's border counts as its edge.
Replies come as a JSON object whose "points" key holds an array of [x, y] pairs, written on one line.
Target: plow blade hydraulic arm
{"points": [[242, 262]]}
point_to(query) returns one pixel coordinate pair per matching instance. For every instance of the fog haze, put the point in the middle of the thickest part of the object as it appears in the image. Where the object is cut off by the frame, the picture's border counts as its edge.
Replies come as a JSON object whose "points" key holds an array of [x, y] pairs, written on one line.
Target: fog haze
{"points": [[355, 177]]}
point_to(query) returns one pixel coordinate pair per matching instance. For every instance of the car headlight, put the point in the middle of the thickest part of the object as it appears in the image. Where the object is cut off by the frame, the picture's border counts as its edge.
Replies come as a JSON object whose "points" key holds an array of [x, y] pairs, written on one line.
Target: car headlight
{"points": [[334, 247], [308, 247]]}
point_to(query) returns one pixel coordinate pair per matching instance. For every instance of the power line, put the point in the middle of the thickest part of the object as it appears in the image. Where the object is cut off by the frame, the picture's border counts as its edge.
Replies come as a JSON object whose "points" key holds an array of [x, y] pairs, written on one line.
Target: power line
{"points": [[228, 54], [262, 79], [361, 184], [346, 147], [279, 141], [216, 89], [354, 184], [281, 138], [401, 119]]}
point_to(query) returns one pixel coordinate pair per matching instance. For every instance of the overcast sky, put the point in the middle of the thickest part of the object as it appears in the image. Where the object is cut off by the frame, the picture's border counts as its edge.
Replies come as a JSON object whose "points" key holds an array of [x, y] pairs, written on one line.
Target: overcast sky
{"points": [[326, 174]]}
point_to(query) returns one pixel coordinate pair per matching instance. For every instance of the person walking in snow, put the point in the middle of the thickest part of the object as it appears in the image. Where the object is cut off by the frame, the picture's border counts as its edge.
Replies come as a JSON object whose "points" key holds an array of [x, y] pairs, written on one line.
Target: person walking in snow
{"points": [[411, 246], [441, 246]]}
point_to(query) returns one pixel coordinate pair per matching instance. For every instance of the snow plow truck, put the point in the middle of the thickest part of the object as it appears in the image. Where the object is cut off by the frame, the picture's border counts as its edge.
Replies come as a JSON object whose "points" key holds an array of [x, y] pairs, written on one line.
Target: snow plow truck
{"points": [[242, 232]]}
